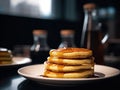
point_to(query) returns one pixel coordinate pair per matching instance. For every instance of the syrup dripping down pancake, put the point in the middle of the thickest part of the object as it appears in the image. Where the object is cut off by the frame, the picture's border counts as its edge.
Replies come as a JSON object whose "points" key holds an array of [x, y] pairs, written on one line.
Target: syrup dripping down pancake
{"points": [[71, 53], [67, 68], [75, 61]]}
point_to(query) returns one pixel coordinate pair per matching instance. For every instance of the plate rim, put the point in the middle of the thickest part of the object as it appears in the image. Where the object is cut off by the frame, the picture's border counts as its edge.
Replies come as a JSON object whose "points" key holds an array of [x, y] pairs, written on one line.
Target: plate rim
{"points": [[62, 79], [16, 64]]}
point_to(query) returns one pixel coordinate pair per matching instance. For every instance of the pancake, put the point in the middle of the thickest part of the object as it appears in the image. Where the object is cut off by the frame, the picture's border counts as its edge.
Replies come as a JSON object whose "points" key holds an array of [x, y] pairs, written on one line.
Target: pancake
{"points": [[69, 63], [66, 61], [80, 74], [67, 68], [71, 53], [5, 62], [5, 53], [5, 56]]}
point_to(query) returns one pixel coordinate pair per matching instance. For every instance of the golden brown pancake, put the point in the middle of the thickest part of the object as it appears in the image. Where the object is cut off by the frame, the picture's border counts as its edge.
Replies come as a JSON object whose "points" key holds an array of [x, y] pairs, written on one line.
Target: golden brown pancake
{"points": [[71, 53], [5, 56], [67, 68], [79, 74], [5, 53], [5, 62], [66, 61], [69, 63]]}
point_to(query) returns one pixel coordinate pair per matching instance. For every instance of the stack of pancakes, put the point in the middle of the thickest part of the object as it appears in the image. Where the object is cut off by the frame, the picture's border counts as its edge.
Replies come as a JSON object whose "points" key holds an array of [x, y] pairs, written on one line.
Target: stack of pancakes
{"points": [[69, 63], [5, 56]]}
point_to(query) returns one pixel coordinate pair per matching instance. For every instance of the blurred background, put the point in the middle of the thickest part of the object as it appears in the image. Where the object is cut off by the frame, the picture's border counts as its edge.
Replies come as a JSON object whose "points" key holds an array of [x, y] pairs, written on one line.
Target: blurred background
{"points": [[19, 17]]}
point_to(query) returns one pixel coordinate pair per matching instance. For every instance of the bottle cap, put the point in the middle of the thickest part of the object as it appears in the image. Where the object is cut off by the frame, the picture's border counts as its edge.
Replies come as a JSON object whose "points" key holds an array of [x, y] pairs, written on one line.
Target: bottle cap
{"points": [[67, 32], [89, 6], [39, 32]]}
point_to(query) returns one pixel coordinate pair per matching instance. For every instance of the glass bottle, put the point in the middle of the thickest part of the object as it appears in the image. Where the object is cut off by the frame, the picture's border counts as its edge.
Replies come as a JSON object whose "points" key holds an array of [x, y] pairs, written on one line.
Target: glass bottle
{"points": [[91, 36], [67, 38], [40, 49]]}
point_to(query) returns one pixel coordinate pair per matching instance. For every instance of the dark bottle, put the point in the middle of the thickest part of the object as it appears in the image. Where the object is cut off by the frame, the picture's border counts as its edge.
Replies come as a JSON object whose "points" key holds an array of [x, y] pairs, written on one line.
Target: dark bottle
{"points": [[67, 38], [40, 49], [91, 36]]}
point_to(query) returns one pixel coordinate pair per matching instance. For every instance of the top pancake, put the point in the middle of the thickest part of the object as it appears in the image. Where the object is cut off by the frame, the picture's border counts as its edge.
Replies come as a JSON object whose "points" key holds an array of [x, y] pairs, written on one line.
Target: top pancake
{"points": [[71, 52], [5, 55]]}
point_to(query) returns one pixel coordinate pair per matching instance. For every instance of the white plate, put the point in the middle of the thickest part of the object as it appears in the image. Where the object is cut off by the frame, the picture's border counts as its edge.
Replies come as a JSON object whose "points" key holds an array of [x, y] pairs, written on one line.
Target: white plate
{"points": [[16, 61], [34, 72]]}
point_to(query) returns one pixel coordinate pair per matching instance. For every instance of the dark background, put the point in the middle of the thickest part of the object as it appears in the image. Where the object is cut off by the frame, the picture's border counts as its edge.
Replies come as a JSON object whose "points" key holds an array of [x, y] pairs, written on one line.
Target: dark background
{"points": [[17, 30]]}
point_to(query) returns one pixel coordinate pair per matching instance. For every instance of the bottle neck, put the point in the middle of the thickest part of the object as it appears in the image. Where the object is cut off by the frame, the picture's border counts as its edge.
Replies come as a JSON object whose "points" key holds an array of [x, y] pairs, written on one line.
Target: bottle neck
{"points": [[67, 41], [40, 43], [91, 19], [91, 24], [41, 40]]}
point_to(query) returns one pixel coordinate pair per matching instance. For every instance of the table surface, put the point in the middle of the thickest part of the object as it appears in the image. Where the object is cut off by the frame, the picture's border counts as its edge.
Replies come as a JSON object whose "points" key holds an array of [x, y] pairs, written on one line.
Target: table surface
{"points": [[11, 80]]}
